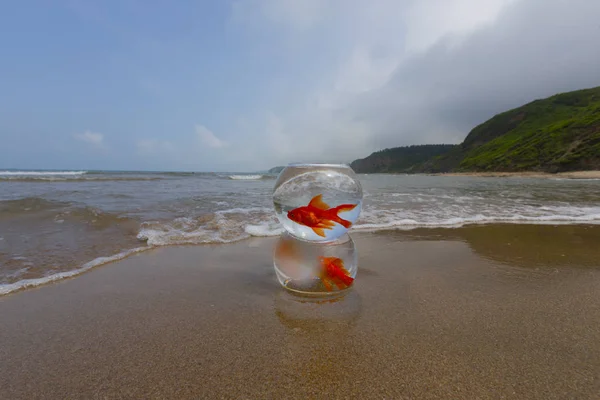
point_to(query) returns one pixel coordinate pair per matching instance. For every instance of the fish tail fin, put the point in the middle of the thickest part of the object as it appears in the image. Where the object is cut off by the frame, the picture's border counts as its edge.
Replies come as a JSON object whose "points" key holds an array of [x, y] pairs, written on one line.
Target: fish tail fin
{"points": [[340, 284], [344, 207], [327, 284], [346, 279], [342, 273], [339, 209], [347, 224]]}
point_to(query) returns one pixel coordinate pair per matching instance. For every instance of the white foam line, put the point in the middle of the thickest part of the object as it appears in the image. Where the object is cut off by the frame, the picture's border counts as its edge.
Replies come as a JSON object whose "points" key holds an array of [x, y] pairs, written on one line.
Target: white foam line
{"points": [[480, 219], [274, 229], [245, 210], [245, 177], [263, 230], [41, 173], [29, 283]]}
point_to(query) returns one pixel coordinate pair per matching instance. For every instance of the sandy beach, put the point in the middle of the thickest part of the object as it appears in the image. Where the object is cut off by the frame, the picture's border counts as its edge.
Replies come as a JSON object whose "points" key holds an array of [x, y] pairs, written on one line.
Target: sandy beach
{"points": [[559, 175], [486, 312]]}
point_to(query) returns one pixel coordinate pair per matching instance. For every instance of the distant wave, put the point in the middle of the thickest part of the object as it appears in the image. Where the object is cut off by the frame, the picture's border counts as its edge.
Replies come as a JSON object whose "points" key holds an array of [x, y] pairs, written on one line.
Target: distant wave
{"points": [[76, 178], [246, 177], [42, 173]]}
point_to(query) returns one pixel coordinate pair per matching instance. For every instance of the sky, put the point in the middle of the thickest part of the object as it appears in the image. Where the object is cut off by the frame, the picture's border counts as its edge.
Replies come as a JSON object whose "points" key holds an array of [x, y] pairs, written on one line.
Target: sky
{"points": [[245, 85]]}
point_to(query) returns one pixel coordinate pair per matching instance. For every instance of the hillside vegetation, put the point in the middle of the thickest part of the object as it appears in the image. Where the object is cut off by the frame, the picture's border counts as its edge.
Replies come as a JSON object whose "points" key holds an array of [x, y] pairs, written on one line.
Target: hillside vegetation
{"points": [[400, 159], [560, 133]]}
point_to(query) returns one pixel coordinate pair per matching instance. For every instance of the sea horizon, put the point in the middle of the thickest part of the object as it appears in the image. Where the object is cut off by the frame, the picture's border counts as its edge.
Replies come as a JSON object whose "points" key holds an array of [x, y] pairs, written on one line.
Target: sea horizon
{"points": [[87, 170]]}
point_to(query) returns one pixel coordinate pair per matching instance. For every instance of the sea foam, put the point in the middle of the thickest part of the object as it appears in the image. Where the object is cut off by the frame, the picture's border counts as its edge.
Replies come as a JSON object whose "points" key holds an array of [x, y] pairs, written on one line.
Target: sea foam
{"points": [[42, 173], [246, 177], [29, 283]]}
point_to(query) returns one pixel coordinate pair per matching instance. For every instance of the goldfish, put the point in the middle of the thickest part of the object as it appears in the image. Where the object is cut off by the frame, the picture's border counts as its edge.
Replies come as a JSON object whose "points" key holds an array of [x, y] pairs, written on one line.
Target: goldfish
{"points": [[318, 215], [333, 271]]}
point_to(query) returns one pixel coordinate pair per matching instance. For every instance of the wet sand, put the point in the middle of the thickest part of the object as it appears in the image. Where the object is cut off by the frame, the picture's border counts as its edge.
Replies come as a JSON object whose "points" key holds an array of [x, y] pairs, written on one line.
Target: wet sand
{"points": [[482, 312]]}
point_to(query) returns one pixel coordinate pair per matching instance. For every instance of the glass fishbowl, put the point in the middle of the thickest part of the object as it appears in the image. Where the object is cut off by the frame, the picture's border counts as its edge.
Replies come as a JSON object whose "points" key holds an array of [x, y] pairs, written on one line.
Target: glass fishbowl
{"points": [[315, 268], [317, 202]]}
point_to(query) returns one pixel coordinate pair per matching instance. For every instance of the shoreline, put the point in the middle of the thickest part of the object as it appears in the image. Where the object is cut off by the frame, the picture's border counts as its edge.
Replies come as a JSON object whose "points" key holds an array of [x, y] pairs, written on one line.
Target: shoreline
{"points": [[561, 175], [476, 312], [102, 261], [69, 229]]}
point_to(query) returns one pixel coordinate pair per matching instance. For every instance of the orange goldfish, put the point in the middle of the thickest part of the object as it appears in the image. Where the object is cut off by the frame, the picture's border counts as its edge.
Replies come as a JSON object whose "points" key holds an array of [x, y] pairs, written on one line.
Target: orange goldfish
{"points": [[334, 271], [318, 216]]}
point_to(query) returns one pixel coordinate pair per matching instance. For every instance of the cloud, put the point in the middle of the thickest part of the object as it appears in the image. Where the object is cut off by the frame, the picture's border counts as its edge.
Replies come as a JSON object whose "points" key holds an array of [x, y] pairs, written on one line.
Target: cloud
{"points": [[195, 150], [411, 72], [295, 14], [95, 139], [441, 93], [208, 138]]}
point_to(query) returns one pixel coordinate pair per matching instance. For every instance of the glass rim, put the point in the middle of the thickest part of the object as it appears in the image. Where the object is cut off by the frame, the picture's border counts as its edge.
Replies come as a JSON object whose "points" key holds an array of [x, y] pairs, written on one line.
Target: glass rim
{"points": [[318, 165]]}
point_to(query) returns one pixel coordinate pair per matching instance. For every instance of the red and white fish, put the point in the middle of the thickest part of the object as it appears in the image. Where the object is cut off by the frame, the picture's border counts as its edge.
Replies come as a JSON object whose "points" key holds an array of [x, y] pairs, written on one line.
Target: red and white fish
{"points": [[334, 272], [318, 215]]}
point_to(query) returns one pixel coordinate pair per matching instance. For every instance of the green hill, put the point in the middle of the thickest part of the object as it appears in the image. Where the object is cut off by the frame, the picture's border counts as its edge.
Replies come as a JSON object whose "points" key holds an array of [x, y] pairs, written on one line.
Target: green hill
{"points": [[560, 133], [400, 159]]}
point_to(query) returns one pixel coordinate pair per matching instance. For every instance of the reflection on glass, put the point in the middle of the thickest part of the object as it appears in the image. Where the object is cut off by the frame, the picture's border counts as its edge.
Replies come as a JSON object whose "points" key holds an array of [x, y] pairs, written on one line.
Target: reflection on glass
{"points": [[315, 269]]}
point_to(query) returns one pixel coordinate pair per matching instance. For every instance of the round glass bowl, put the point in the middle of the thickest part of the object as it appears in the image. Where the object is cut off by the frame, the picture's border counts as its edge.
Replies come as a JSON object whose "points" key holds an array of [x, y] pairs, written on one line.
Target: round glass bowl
{"points": [[317, 202], [315, 268]]}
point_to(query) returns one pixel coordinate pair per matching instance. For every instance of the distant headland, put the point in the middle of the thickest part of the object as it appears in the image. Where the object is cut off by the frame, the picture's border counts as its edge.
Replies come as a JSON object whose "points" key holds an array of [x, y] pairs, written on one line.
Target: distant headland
{"points": [[558, 134]]}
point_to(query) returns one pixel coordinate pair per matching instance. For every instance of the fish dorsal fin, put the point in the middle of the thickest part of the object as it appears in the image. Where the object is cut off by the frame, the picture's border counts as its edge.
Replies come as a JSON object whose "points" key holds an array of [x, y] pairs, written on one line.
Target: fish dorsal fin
{"points": [[317, 202]]}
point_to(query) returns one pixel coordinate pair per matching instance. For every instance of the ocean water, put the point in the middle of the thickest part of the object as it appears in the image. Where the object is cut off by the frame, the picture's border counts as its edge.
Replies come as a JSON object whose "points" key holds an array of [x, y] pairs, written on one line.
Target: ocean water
{"points": [[55, 224]]}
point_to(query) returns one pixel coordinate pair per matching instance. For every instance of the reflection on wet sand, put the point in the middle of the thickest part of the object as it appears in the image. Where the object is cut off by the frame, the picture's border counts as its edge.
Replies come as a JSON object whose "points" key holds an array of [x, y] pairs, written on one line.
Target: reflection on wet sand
{"points": [[314, 315], [528, 246], [321, 335], [426, 318]]}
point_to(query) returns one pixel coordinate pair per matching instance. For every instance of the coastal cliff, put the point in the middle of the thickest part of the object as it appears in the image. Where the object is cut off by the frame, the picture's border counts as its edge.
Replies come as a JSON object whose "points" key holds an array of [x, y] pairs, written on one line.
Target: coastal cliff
{"points": [[556, 134]]}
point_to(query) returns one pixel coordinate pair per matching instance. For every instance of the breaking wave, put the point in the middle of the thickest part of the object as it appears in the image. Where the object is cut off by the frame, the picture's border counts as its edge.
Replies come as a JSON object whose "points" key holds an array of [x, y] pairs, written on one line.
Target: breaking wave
{"points": [[42, 173], [221, 227], [237, 224], [75, 178], [241, 223], [246, 177]]}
